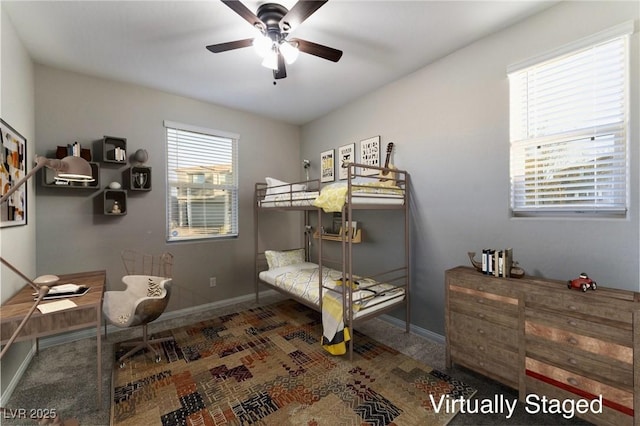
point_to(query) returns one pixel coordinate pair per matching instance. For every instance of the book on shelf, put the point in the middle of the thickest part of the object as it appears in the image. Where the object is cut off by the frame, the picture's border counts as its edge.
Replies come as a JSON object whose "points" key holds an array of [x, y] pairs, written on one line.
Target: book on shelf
{"points": [[497, 262]]}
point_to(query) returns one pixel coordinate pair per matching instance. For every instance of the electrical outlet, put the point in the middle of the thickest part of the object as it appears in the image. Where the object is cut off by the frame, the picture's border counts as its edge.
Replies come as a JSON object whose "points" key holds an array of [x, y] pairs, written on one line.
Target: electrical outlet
{"points": [[212, 282]]}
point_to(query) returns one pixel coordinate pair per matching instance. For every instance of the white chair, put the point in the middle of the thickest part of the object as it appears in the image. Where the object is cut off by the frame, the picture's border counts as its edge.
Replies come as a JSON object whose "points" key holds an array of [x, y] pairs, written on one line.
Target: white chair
{"points": [[143, 301]]}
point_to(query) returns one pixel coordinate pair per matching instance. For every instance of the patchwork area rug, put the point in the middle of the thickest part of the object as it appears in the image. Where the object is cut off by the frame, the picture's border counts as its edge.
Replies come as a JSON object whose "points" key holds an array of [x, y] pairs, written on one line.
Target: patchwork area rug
{"points": [[266, 366]]}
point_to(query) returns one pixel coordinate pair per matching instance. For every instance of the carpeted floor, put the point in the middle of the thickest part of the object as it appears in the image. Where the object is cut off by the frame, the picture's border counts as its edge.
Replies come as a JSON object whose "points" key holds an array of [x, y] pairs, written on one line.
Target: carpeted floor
{"points": [[63, 377], [265, 366]]}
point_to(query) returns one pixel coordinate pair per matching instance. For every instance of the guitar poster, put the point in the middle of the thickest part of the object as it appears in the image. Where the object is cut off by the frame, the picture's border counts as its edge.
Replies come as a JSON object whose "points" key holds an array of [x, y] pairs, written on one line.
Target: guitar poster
{"points": [[370, 154], [346, 155], [326, 166]]}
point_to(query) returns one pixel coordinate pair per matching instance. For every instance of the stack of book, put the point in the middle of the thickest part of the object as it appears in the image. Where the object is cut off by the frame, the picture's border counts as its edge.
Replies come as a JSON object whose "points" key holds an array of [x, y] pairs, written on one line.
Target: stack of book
{"points": [[497, 262]]}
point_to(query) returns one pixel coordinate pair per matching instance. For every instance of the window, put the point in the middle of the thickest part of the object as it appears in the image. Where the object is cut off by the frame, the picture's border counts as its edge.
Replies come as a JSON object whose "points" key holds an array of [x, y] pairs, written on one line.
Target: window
{"points": [[569, 128], [202, 183]]}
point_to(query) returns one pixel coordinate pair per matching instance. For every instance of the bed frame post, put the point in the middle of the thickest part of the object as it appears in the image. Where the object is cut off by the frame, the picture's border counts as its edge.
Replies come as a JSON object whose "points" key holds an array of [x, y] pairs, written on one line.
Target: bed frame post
{"points": [[407, 252], [256, 213]]}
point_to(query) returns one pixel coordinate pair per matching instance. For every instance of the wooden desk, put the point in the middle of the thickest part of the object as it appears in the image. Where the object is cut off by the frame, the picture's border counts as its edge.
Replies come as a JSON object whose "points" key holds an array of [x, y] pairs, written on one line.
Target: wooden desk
{"points": [[88, 313]]}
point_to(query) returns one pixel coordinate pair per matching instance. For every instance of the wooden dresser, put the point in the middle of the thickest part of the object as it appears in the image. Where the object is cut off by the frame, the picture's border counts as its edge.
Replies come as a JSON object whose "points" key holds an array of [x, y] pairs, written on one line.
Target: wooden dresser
{"points": [[544, 339]]}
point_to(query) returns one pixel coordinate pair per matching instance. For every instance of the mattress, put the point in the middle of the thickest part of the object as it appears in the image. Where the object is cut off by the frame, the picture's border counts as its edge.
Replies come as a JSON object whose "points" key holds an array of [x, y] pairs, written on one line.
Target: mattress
{"points": [[289, 199], [302, 199], [301, 280]]}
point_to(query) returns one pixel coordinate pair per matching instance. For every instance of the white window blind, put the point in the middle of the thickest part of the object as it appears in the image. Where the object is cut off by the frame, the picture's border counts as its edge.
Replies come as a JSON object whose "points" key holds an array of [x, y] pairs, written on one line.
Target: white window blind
{"points": [[202, 183], [569, 131]]}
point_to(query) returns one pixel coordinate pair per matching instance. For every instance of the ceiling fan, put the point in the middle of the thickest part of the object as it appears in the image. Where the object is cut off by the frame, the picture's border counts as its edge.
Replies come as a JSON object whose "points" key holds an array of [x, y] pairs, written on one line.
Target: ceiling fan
{"points": [[275, 23]]}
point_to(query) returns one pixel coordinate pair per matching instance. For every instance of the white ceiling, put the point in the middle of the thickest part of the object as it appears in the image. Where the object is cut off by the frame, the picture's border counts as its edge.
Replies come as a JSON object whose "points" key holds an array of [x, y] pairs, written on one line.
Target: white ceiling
{"points": [[161, 44]]}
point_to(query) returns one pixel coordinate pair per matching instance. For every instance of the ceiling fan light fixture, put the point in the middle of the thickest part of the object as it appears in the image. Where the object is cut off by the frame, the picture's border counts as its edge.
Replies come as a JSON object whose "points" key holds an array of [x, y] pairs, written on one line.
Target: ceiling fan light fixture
{"points": [[289, 52], [263, 45], [271, 60]]}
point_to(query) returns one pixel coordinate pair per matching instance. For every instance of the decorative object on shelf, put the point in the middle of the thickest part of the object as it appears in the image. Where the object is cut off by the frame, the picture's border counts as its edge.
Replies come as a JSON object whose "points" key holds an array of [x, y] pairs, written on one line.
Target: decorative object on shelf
{"points": [[140, 179], [327, 168], [356, 237], [583, 282], [487, 265], [370, 154], [387, 177], [114, 202], [74, 149], [114, 149], [346, 155], [141, 156], [115, 185]]}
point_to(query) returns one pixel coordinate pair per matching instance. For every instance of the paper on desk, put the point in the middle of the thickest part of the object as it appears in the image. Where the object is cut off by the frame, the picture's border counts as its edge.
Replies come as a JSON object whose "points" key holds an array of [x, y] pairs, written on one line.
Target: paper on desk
{"points": [[59, 305]]}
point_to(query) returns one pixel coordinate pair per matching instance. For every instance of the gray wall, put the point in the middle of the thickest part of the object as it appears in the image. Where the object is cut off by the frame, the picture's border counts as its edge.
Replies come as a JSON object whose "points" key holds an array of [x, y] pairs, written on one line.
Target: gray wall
{"points": [[17, 244], [73, 235], [450, 125]]}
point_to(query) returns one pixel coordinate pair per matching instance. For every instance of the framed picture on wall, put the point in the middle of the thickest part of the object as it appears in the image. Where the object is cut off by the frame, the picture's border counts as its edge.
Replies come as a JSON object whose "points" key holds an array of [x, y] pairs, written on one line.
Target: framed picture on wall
{"points": [[13, 167], [346, 155], [327, 167], [370, 154]]}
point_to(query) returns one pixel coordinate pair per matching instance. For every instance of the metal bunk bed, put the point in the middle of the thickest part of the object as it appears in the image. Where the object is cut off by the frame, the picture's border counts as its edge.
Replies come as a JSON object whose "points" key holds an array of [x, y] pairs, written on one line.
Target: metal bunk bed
{"points": [[363, 192]]}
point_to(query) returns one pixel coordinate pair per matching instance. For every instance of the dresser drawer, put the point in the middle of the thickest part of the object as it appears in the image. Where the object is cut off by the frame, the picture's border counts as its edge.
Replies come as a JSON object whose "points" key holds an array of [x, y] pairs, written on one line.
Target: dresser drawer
{"points": [[483, 283], [469, 326], [479, 306], [487, 366], [622, 334], [605, 370], [608, 417], [616, 398], [586, 306], [470, 342], [578, 341]]}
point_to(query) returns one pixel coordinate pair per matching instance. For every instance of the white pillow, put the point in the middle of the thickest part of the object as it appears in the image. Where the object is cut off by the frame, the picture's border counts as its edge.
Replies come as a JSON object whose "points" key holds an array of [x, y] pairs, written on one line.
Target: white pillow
{"points": [[277, 259], [275, 186]]}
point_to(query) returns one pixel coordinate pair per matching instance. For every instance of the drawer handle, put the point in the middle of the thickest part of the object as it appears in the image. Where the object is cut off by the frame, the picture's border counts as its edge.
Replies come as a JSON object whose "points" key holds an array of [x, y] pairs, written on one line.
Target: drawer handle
{"points": [[481, 363], [480, 288], [572, 381], [572, 307], [572, 340], [481, 348], [480, 301], [481, 316], [572, 323], [573, 361], [481, 331]]}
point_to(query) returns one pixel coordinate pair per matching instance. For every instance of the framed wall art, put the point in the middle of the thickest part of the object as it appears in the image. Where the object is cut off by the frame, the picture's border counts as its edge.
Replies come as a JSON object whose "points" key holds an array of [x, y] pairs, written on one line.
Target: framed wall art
{"points": [[346, 155], [327, 167], [370, 154], [13, 167]]}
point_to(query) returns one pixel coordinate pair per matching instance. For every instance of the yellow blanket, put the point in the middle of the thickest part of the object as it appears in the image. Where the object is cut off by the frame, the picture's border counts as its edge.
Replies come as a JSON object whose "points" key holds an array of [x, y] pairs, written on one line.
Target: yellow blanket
{"points": [[333, 197], [334, 334]]}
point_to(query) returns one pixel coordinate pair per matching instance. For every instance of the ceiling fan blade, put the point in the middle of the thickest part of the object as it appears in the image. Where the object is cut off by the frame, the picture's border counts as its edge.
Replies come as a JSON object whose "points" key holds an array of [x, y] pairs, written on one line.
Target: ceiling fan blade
{"points": [[245, 13], [281, 72], [230, 45], [319, 50], [299, 12]]}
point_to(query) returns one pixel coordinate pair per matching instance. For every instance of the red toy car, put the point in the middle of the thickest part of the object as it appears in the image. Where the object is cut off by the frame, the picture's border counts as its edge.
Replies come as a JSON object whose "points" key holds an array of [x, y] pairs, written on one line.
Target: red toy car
{"points": [[583, 282]]}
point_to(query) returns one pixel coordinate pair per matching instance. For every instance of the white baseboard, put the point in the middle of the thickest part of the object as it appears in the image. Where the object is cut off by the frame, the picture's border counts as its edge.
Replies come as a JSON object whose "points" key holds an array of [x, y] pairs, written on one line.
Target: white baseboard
{"points": [[4, 398], [422, 332]]}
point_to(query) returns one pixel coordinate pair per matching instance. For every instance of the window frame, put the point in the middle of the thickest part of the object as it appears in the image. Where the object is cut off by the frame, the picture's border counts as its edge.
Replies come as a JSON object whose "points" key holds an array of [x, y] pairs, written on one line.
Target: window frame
{"points": [[220, 137], [615, 204]]}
